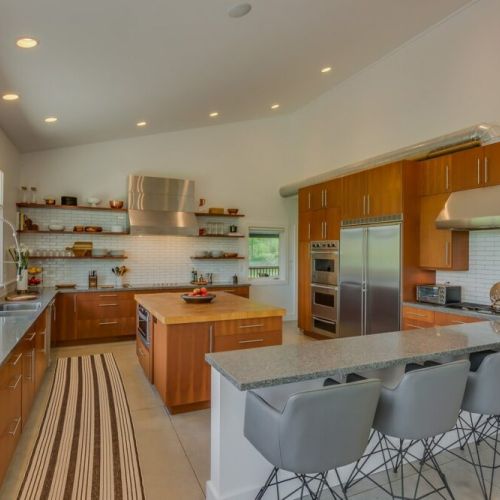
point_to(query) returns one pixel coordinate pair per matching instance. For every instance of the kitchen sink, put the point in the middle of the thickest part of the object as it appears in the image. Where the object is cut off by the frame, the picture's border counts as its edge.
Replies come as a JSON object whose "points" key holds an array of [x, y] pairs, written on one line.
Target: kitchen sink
{"points": [[18, 309]]}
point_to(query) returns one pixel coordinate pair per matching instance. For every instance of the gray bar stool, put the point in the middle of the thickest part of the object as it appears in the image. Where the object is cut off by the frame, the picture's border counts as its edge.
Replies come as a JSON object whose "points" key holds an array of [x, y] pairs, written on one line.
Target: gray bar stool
{"points": [[317, 431], [479, 422], [411, 416]]}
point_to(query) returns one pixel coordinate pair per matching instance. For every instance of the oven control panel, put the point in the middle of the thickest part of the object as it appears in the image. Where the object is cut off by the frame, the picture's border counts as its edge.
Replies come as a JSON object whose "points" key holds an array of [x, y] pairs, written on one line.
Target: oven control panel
{"points": [[325, 245]]}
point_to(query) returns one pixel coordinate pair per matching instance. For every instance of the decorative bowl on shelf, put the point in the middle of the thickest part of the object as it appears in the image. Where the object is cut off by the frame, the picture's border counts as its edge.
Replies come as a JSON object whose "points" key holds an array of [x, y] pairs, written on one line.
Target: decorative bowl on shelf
{"points": [[233, 211], [93, 229], [198, 299], [79, 229], [93, 202], [199, 254], [56, 228], [116, 203], [216, 254], [99, 252]]}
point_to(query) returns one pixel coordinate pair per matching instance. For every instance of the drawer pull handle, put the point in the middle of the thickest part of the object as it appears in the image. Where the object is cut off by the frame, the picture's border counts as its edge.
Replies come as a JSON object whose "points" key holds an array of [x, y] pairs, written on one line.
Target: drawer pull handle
{"points": [[13, 387], [14, 363], [31, 337], [108, 305], [418, 315], [13, 432], [251, 341], [415, 326], [458, 322], [108, 323], [109, 295], [256, 325]]}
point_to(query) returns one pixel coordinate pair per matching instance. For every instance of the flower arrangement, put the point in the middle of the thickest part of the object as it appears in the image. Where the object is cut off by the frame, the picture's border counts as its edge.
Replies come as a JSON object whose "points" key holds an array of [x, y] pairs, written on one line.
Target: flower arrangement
{"points": [[20, 257]]}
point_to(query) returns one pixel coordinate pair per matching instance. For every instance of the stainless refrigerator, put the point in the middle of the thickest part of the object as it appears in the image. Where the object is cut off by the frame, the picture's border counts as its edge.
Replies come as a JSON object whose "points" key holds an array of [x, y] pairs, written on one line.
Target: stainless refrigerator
{"points": [[370, 279]]}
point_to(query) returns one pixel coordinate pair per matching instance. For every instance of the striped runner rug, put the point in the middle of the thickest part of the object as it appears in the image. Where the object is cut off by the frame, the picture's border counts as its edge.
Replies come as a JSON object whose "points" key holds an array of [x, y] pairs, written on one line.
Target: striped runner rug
{"points": [[86, 447]]}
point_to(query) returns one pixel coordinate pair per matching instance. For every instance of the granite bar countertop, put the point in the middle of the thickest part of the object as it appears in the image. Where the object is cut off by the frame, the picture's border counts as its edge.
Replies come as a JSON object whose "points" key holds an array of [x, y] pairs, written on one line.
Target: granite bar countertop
{"points": [[13, 328], [138, 287], [170, 309], [451, 310], [270, 366]]}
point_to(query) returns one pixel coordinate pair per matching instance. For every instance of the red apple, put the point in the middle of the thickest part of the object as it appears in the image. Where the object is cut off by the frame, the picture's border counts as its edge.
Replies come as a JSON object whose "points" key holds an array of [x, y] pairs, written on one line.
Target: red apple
{"points": [[203, 291]]}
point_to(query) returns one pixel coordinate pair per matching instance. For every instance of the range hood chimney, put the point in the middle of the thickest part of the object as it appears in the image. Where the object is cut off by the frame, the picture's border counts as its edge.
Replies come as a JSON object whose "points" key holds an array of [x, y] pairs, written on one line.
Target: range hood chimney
{"points": [[471, 210], [161, 206]]}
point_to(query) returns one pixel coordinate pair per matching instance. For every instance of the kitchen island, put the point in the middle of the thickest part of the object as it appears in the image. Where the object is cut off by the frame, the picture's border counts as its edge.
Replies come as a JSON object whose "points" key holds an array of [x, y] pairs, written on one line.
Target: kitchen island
{"points": [[238, 471], [182, 334]]}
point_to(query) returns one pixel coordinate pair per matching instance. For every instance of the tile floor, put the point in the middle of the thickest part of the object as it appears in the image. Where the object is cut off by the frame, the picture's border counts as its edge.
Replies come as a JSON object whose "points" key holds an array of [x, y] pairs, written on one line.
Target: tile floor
{"points": [[174, 451]]}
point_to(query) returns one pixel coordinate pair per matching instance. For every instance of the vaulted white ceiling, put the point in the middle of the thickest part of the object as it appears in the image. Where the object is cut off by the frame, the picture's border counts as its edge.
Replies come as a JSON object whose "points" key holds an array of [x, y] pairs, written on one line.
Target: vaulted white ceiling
{"points": [[103, 65]]}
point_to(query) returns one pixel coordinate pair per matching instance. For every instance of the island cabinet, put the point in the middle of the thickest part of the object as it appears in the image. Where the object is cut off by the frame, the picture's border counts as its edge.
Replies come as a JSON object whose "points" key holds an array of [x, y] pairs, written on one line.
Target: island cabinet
{"points": [[11, 402], [184, 333], [441, 248], [29, 379]]}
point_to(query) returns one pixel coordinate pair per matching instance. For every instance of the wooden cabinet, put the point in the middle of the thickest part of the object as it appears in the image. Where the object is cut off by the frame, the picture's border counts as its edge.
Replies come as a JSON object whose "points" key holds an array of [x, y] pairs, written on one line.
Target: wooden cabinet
{"points": [[305, 226], [41, 355], [145, 358], [467, 170], [304, 287], [435, 176], [491, 162], [65, 321], [415, 318], [11, 375], [373, 193], [29, 386], [441, 248], [305, 199]]}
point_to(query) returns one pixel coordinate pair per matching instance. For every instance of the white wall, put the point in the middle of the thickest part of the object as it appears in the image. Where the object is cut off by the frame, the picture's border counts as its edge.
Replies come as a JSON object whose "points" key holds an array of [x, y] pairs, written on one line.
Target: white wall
{"points": [[9, 164], [444, 80], [237, 165]]}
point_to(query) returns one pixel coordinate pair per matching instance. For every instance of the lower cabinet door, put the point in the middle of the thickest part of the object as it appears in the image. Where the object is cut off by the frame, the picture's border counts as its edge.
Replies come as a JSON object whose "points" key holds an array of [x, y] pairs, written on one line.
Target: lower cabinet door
{"points": [[246, 341], [105, 328]]}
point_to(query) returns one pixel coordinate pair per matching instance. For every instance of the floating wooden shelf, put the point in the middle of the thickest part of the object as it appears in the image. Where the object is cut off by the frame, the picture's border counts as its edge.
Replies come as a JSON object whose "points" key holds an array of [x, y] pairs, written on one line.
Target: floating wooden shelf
{"points": [[69, 207], [79, 233], [205, 214], [107, 257], [218, 258]]}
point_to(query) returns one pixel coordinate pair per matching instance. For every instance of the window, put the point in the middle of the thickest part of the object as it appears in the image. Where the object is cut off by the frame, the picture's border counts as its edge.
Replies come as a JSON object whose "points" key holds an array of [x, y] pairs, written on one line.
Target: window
{"points": [[266, 254]]}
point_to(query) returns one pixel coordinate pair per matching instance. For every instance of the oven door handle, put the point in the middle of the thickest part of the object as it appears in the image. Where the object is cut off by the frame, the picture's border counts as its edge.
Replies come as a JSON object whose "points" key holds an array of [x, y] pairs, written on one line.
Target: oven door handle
{"points": [[325, 287], [329, 321]]}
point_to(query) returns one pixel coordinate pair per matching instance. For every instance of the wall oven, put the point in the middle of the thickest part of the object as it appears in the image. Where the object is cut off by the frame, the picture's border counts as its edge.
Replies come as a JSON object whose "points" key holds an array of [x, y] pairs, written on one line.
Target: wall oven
{"points": [[144, 325], [324, 262], [324, 301]]}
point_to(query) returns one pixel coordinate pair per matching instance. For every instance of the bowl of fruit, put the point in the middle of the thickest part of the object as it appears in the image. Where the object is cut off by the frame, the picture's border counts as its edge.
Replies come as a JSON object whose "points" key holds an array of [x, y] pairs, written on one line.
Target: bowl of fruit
{"points": [[198, 296]]}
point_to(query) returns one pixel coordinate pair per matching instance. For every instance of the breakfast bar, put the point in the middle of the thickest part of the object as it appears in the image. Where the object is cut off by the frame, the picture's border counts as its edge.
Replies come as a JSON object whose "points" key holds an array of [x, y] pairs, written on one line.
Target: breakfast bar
{"points": [[183, 333], [237, 469]]}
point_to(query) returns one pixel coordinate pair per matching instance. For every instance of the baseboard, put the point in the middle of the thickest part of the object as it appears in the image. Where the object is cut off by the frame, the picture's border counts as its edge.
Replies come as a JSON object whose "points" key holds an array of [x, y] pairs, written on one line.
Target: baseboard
{"points": [[212, 494]]}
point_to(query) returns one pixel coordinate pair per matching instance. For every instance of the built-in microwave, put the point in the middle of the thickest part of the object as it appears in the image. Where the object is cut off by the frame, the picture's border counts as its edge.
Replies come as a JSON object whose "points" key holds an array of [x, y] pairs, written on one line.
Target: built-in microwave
{"points": [[439, 294], [324, 262]]}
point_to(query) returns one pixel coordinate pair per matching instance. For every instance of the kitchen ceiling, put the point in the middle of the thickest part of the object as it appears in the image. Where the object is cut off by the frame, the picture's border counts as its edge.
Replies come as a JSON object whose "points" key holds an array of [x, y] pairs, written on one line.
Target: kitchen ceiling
{"points": [[103, 66]]}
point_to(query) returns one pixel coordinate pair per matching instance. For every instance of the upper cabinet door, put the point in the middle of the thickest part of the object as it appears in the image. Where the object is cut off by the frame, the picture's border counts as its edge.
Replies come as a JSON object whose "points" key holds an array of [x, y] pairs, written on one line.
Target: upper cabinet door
{"points": [[435, 176], [492, 164], [467, 169], [305, 226], [385, 190], [305, 199], [318, 196], [333, 193], [354, 196]]}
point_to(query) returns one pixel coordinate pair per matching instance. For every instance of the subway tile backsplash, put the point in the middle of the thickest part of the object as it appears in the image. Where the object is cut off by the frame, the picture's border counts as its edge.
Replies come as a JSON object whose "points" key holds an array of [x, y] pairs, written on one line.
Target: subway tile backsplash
{"points": [[151, 259], [484, 267]]}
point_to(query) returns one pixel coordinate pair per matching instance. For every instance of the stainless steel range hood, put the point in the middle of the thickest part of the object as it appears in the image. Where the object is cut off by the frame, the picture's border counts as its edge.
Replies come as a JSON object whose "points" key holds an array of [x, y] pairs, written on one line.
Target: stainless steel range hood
{"points": [[471, 210], [159, 205]]}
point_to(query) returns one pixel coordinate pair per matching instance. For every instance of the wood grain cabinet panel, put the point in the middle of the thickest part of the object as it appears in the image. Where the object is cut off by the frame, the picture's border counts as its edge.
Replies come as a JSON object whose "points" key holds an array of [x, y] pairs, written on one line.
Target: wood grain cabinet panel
{"points": [[28, 350], [105, 328], [492, 164], [435, 176], [441, 248], [467, 171], [65, 322], [305, 226], [246, 341], [304, 287], [11, 374], [253, 325], [446, 319], [354, 189], [418, 314], [108, 309], [41, 355], [384, 190], [305, 199]]}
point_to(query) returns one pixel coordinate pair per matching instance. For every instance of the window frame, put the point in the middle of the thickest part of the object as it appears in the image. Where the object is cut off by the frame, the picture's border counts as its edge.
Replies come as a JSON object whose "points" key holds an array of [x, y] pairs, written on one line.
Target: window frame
{"points": [[283, 255]]}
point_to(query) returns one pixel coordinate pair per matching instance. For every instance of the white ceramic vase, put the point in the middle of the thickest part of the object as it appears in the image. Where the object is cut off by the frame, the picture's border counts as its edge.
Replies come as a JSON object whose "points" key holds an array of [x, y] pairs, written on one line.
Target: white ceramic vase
{"points": [[22, 283]]}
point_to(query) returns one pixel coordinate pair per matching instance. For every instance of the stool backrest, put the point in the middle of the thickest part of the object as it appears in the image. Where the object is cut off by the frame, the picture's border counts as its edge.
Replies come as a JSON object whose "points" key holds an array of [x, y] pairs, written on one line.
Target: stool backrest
{"points": [[329, 427], [425, 403], [482, 394]]}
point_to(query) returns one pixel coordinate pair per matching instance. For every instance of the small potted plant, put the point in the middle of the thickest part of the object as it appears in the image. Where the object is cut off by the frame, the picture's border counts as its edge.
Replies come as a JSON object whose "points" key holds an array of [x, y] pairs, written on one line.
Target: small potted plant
{"points": [[20, 256]]}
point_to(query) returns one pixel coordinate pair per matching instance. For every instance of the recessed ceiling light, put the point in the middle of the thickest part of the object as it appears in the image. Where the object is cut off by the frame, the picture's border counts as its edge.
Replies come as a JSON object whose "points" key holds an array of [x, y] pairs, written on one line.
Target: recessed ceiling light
{"points": [[141, 124], [326, 69], [275, 106], [50, 119], [10, 97], [214, 114], [240, 10], [26, 42]]}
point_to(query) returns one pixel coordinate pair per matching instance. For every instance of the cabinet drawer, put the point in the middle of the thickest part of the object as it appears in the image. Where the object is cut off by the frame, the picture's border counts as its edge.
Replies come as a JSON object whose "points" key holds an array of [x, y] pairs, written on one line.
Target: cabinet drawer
{"points": [[104, 296], [144, 357], [253, 325], [109, 308], [445, 319], [106, 327], [247, 341], [421, 315], [414, 324]]}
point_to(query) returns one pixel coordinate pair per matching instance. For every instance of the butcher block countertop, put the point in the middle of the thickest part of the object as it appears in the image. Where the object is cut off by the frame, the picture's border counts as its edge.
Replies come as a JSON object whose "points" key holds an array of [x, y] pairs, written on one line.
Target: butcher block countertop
{"points": [[170, 309]]}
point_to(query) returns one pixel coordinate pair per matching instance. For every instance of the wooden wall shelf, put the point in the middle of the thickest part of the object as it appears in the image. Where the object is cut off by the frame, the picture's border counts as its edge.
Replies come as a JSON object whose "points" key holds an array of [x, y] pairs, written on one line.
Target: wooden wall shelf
{"points": [[220, 236], [218, 258], [107, 257], [205, 214], [77, 233], [69, 207]]}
